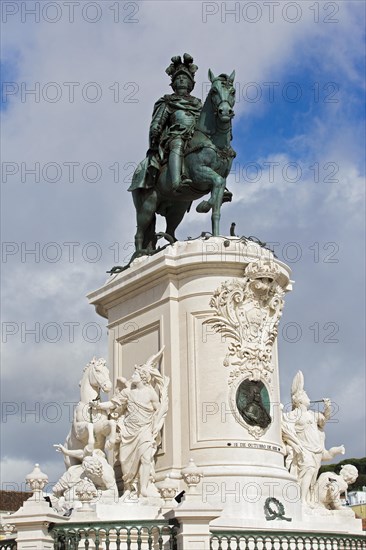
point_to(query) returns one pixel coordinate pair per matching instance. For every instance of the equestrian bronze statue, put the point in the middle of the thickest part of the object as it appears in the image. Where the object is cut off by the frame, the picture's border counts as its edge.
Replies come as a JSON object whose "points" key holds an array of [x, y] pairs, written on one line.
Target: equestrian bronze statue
{"points": [[189, 155]]}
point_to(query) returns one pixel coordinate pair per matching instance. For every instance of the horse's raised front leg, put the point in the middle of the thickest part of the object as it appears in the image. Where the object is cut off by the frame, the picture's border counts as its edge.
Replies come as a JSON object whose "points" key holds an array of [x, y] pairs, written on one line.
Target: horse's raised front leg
{"points": [[91, 435], [111, 434], [217, 184], [111, 441], [217, 194]]}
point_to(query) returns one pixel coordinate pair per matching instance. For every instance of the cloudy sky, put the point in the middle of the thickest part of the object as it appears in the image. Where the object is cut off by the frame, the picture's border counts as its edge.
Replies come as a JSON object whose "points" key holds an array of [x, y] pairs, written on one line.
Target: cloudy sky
{"points": [[79, 83]]}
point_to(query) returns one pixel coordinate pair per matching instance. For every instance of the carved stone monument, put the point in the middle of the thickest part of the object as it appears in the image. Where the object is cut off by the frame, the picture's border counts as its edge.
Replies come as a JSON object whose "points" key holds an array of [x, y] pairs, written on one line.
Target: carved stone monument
{"points": [[134, 417], [194, 408], [214, 305]]}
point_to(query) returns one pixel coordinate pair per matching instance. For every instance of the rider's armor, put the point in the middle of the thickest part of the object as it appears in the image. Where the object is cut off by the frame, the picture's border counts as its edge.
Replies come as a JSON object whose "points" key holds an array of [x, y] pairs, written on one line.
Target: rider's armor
{"points": [[177, 118], [173, 124]]}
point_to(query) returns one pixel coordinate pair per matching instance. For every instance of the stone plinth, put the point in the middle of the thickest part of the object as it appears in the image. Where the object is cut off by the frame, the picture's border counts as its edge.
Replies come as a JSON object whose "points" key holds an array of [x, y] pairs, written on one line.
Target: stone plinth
{"points": [[194, 521], [32, 521], [165, 300]]}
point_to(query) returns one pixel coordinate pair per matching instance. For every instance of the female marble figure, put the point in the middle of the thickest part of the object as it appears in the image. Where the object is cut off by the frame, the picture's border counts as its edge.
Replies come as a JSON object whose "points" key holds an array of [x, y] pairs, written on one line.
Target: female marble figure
{"points": [[142, 412], [303, 430]]}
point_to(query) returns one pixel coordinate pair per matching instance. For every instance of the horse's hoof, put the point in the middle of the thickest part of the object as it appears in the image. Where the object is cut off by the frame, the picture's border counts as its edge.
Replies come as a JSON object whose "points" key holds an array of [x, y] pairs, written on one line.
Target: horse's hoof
{"points": [[227, 197], [139, 254], [203, 207]]}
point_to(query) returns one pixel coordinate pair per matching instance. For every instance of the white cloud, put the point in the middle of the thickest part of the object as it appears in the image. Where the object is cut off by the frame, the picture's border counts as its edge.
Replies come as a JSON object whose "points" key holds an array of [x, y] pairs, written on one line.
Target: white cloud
{"points": [[14, 470]]}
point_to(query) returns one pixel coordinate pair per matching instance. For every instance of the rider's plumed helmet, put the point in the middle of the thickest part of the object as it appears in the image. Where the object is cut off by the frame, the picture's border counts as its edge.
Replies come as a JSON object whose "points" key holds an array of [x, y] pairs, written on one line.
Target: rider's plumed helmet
{"points": [[186, 67]]}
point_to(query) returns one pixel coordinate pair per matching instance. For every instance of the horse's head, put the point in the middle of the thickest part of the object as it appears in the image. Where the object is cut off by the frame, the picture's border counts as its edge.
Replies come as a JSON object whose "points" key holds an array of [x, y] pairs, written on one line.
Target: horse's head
{"points": [[98, 375], [222, 95]]}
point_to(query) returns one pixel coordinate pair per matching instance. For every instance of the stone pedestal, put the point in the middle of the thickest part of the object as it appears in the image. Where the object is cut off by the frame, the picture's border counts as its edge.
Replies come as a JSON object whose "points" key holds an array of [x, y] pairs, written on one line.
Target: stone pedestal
{"points": [[194, 521], [165, 299], [32, 521]]}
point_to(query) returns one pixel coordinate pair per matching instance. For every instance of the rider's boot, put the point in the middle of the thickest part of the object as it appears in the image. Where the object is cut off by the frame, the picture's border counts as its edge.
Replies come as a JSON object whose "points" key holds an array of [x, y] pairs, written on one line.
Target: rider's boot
{"points": [[175, 167]]}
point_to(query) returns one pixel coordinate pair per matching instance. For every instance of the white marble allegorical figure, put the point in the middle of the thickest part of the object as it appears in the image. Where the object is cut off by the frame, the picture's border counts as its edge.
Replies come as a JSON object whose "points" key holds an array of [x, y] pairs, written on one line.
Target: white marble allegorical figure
{"points": [[142, 405], [304, 437], [88, 427]]}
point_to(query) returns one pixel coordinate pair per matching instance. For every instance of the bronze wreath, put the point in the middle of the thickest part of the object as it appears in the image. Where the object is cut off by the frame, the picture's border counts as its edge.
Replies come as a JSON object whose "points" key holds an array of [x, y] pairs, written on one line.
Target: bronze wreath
{"points": [[274, 509]]}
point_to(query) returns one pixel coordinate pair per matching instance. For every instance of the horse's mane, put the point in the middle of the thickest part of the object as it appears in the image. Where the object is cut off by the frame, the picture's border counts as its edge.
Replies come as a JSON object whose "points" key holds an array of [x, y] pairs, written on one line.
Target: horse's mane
{"points": [[224, 78], [94, 362]]}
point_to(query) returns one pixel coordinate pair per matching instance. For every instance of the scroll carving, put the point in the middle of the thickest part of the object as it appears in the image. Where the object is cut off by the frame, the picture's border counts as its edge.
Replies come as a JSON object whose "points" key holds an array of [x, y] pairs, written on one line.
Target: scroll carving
{"points": [[247, 313]]}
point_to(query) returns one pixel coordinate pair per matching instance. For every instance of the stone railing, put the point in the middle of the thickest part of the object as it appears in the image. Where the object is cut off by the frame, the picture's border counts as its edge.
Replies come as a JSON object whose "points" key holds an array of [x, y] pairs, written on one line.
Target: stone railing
{"points": [[131, 535], [252, 540], [189, 525]]}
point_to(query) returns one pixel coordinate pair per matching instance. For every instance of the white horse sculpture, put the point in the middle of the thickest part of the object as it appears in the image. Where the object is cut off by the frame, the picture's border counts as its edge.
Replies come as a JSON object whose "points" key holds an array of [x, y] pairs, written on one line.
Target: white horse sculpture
{"points": [[90, 427]]}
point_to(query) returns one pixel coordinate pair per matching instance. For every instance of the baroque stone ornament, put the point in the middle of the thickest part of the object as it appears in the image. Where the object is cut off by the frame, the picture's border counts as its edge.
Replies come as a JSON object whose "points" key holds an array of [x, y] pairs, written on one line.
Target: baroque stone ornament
{"points": [[247, 313], [86, 493], [192, 476], [168, 489], [37, 480], [8, 529]]}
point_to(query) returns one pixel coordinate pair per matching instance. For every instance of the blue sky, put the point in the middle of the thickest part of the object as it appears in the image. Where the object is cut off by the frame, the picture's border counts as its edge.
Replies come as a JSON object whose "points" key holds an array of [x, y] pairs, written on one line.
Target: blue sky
{"points": [[322, 212]]}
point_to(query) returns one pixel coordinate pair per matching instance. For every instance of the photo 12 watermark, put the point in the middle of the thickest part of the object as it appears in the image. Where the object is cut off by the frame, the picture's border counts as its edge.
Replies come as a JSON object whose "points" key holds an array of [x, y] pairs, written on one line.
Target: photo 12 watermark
{"points": [[28, 11], [66, 172], [249, 492], [288, 92], [36, 252], [69, 92], [291, 252], [270, 12], [51, 332], [213, 412], [72, 171]]}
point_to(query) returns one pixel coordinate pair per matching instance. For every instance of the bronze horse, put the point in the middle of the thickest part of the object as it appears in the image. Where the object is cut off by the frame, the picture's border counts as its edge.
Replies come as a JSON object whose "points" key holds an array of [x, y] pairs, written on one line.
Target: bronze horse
{"points": [[208, 159]]}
